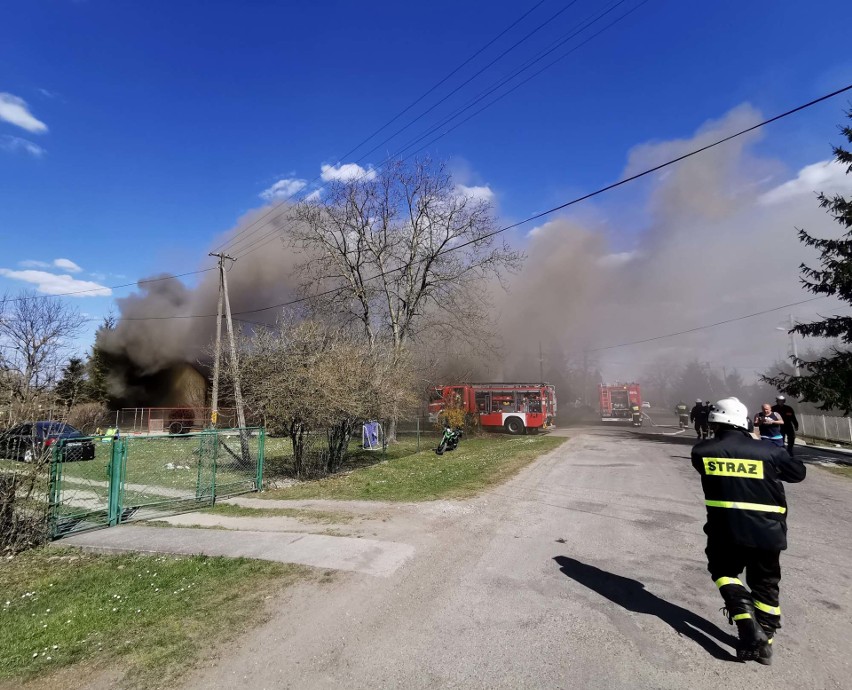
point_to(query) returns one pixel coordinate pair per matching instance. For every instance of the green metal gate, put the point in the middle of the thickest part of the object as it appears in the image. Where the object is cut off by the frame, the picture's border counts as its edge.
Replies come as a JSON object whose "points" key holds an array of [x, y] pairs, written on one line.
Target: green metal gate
{"points": [[140, 477]]}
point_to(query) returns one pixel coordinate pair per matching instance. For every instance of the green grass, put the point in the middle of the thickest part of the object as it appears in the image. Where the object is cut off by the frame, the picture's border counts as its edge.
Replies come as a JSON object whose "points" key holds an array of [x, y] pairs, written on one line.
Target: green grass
{"points": [[151, 616], [278, 460], [304, 515], [477, 464]]}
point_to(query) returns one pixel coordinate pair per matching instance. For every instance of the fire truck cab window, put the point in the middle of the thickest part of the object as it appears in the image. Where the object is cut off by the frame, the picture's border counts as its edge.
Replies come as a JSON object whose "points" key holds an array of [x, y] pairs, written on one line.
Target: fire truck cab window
{"points": [[436, 395], [483, 402], [534, 402], [458, 397]]}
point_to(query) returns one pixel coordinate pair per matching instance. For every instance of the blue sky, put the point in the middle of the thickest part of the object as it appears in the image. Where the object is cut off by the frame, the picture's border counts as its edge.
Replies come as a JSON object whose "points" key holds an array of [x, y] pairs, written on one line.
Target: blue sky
{"points": [[132, 133]]}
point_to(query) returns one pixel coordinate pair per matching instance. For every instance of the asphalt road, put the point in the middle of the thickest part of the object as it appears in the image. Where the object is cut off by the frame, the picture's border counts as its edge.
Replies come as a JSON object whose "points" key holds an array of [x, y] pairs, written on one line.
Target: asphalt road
{"points": [[586, 571]]}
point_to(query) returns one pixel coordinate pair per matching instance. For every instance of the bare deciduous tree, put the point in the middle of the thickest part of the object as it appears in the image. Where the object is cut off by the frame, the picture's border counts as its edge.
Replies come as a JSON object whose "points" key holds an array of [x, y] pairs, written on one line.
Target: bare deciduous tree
{"points": [[402, 252], [305, 377], [35, 333]]}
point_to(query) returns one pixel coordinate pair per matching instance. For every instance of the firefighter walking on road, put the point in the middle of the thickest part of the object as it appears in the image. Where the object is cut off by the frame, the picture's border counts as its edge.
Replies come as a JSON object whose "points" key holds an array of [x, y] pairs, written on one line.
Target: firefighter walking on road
{"points": [[682, 412], [746, 523], [697, 415], [791, 424]]}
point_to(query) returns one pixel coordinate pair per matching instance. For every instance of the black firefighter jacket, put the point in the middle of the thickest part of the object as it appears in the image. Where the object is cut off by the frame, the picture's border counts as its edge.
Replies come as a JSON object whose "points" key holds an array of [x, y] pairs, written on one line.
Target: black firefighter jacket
{"points": [[741, 478]]}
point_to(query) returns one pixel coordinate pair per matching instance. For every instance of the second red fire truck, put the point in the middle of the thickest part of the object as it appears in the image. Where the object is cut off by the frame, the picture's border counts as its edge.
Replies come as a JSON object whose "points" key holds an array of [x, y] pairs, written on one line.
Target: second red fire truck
{"points": [[516, 408], [617, 401]]}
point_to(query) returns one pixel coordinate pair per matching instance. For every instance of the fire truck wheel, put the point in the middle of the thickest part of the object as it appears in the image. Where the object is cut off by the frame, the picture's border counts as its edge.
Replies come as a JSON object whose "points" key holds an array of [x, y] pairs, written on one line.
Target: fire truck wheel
{"points": [[514, 426]]}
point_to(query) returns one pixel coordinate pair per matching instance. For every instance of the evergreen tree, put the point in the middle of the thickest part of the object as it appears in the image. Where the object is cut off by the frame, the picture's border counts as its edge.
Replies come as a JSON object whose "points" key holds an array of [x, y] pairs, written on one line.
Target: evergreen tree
{"points": [[827, 380], [71, 388], [98, 366]]}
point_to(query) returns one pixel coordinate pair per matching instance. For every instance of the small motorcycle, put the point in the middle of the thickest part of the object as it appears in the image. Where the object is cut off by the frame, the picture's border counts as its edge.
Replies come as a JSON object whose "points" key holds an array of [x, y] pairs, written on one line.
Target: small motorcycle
{"points": [[450, 440]]}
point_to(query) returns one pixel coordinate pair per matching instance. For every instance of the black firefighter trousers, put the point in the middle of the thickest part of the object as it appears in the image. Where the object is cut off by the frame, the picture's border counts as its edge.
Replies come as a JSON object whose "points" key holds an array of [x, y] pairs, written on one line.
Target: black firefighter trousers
{"points": [[726, 561], [789, 438]]}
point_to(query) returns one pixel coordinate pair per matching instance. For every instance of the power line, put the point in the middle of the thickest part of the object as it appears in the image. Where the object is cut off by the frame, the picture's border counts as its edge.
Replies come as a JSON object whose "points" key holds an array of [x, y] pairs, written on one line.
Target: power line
{"points": [[709, 325], [470, 79], [444, 80], [659, 167], [229, 242], [585, 24], [506, 80], [560, 207]]}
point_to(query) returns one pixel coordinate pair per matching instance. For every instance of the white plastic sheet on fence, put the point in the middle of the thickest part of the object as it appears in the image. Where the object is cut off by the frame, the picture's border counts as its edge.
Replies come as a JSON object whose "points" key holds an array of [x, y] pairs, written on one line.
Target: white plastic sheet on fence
{"points": [[824, 427]]}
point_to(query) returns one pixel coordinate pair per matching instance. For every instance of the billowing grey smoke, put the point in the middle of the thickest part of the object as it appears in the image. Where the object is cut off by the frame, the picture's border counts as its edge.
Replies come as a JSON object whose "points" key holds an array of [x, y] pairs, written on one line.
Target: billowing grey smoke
{"points": [[716, 239], [708, 239], [145, 348]]}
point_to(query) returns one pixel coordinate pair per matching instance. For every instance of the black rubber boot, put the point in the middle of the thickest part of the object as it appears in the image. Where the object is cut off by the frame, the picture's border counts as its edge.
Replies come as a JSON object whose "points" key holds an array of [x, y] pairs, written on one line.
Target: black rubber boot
{"points": [[765, 654], [753, 640]]}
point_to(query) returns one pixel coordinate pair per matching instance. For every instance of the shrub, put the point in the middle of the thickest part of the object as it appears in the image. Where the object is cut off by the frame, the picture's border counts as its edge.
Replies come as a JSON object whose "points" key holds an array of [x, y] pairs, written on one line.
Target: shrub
{"points": [[87, 417]]}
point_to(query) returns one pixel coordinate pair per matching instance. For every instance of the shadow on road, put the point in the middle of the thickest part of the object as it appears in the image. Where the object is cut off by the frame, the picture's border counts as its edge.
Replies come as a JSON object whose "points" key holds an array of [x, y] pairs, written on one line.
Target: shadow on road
{"points": [[632, 595]]}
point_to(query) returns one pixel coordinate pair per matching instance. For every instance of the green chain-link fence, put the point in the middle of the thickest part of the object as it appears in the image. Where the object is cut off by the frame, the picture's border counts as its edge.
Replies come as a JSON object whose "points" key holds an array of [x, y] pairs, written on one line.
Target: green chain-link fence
{"points": [[138, 477]]}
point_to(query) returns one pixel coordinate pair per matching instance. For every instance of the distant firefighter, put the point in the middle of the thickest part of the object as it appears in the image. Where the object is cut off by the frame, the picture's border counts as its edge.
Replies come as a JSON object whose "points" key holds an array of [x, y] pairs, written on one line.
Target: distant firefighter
{"points": [[791, 424]]}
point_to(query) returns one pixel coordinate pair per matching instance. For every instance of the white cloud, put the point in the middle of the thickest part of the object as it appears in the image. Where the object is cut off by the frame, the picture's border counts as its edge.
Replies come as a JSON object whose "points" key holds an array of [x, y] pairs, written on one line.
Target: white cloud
{"points": [[14, 110], [33, 263], [13, 144], [67, 265], [315, 195], [483, 193], [617, 259], [826, 176], [283, 189], [346, 172], [52, 284]]}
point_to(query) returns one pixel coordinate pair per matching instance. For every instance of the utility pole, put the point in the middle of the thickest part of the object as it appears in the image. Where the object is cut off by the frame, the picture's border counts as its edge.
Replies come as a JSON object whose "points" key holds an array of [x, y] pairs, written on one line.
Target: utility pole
{"points": [[234, 362], [217, 355], [793, 344]]}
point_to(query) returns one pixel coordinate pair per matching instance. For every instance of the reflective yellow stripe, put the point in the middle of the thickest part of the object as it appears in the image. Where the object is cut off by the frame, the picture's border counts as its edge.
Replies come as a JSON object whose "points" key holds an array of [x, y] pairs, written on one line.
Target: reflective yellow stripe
{"points": [[766, 608], [722, 581], [742, 616], [745, 506]]}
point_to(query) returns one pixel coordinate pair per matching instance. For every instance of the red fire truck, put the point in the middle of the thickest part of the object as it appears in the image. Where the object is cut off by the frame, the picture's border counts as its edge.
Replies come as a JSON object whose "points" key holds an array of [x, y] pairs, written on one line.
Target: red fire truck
{"points": [[513, 407], [617, 401]]}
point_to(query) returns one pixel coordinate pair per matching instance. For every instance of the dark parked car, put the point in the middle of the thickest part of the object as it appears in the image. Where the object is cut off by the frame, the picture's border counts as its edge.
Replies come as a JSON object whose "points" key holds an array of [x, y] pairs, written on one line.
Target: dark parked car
{"points": [[30, 441]]}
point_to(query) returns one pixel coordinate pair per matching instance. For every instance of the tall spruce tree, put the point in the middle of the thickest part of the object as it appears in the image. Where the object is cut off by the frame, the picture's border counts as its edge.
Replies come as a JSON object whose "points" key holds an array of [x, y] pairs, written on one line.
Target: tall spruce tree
{"points": [[98, 366], [71, 388], [827, 380]]}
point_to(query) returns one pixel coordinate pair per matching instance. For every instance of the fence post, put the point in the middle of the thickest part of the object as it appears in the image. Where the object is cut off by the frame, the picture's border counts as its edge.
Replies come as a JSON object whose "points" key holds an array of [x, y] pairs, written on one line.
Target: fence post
{"points": [[418, 433], [54, 490], [824, 428], [261, 450], [116, 472]]}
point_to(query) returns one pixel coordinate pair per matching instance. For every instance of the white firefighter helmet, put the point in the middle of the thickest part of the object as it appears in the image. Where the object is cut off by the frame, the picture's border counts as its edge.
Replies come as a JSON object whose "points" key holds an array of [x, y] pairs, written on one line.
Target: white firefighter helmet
{"points": [[780, 398], [698, 401], [730, 411]]}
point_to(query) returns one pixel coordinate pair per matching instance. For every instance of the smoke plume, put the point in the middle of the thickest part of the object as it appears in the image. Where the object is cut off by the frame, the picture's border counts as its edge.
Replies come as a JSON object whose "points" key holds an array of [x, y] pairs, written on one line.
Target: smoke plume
{"points": [[159, 330], [706, 240], [715, 239]]}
